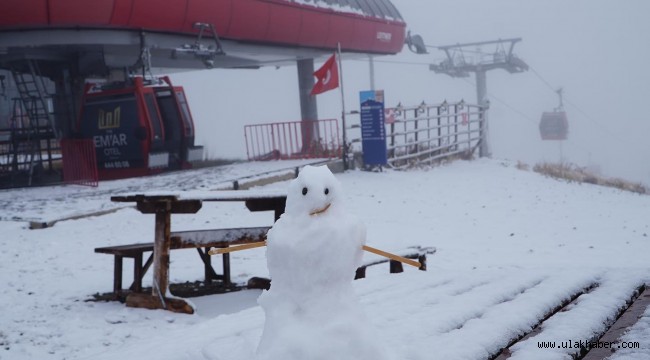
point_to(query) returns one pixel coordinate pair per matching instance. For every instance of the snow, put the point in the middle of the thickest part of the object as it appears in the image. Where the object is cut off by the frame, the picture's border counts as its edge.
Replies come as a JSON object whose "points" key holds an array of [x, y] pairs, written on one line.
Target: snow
{"points": [[589, 316], [334, 7], [72, 200], [511, 245]]}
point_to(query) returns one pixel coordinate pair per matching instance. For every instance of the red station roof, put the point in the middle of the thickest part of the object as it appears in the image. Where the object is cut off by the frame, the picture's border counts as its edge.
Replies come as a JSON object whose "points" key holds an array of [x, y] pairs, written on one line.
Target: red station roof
{"points": [[365, 26]]}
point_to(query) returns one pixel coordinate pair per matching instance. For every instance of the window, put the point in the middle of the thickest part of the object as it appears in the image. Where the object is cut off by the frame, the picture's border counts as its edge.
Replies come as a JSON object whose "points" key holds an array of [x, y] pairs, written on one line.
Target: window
{"points": [[185, 111], [154, 118]]}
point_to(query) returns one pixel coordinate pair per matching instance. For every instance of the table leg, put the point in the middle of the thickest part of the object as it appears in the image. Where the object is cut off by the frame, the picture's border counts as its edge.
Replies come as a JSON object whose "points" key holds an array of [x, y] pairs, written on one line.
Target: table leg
{"points": [[226, 269], [207, 264], [117, 275], [161, 251], [137, 273], [360, 273], [396, 267]]}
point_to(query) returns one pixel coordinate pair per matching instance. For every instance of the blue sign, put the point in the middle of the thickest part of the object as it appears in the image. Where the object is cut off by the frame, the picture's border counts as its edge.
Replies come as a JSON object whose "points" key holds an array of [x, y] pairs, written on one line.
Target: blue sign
{"points": [[373, 132]]}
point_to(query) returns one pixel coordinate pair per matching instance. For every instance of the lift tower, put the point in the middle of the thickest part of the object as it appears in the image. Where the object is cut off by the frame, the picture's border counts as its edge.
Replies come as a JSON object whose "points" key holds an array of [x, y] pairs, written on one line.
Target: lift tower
{"points": [[463, 59]]}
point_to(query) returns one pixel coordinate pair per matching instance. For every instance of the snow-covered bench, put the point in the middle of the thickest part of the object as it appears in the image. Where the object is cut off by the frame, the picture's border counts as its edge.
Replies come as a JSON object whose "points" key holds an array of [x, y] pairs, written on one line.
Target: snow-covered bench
{"points": [[201, 240]]}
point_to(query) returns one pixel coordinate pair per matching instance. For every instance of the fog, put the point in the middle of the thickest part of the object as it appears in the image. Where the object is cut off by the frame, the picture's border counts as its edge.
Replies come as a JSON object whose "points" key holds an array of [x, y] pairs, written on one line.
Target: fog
{"points": [[597, 50]]}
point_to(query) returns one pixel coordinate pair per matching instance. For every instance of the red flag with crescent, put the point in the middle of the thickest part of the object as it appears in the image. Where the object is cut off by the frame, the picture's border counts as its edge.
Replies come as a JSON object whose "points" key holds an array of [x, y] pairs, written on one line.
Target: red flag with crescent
{"points": [[327, 77]]}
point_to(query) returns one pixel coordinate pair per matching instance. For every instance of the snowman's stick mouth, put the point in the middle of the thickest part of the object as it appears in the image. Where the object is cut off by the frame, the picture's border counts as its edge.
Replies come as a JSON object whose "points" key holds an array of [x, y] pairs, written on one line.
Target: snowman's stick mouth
{"points": [[320, 211]]}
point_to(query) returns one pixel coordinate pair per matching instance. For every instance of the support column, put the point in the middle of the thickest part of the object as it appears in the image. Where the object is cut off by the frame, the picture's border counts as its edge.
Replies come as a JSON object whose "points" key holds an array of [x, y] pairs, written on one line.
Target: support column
{"points": [[481, 99], [308, 105], [371, 65], [69, 93]]}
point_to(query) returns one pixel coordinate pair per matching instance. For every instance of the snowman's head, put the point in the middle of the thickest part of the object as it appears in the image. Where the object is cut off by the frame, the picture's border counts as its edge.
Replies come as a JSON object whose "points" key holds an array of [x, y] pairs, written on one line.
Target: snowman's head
{"points": [[314, 192]]}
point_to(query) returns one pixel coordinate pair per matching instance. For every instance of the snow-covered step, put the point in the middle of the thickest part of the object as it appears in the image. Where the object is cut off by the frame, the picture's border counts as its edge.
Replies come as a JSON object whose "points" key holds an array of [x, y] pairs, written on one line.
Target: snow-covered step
{"points": [[565, 304], [564, 334], [639, 334], [492, 307], [629, 337]]}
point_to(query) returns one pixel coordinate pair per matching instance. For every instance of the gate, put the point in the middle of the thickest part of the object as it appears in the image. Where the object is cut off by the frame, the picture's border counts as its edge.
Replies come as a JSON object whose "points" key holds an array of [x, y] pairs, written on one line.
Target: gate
{"points": [[79, 162], [293, 140]]}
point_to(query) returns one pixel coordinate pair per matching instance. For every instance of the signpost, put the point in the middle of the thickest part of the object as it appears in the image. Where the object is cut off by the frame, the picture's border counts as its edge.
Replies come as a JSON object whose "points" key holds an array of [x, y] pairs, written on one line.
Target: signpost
{"points": [[373, 132]]}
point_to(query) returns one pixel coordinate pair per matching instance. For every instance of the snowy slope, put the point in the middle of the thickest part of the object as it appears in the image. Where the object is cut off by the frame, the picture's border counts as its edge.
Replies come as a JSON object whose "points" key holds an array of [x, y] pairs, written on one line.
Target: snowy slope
{"points": [[511, 245]]}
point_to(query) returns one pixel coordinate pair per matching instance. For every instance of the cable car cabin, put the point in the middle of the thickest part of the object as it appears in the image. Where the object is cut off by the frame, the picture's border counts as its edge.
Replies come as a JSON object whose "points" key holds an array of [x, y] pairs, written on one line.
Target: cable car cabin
{"points": [[554, 126], [138, 130]]}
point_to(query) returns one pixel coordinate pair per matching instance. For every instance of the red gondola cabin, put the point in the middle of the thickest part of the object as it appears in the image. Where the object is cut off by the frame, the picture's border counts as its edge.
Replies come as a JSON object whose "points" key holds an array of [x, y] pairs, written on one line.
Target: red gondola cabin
{"points": [[138, 129]]}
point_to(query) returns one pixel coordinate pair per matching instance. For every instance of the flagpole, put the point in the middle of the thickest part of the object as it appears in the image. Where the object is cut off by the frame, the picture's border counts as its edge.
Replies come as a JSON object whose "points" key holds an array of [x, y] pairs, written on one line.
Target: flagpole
{"points": [[345, 139]]}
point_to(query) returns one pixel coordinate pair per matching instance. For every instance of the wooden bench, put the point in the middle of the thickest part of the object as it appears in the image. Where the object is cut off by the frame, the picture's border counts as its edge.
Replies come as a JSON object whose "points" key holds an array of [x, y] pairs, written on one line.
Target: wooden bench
{"points": [[201, 240]]}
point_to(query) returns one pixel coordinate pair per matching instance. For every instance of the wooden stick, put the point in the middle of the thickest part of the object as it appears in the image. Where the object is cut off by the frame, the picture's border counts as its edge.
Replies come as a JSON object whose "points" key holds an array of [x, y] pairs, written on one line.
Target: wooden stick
{"points": [[365, 247], [218, 251], [392, 256]]}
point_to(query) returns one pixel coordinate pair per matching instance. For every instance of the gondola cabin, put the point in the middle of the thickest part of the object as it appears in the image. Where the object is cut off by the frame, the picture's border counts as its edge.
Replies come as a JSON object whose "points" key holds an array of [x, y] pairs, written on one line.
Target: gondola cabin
{"points": [[554, 126], [138, 129]]}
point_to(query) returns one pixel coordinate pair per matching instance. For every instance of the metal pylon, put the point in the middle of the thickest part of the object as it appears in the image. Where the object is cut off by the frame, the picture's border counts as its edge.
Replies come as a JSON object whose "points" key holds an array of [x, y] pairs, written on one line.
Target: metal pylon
{"points": [[458, 65]]}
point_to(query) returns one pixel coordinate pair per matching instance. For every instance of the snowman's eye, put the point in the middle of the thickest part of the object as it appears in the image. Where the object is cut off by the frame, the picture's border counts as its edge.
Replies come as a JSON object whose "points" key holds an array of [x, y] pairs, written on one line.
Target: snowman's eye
{"points": [[327, 191], [304, 191]]}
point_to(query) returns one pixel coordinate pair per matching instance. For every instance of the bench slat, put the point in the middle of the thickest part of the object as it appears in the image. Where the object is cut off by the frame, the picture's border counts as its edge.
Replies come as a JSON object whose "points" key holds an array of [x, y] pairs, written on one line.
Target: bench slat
{"points": [[194, 239], [217, 237], [126, 250]]}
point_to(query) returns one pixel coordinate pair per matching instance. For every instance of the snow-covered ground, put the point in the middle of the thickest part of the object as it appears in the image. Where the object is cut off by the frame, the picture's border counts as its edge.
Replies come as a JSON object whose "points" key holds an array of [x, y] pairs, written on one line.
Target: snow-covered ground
{"points": [[53, 203], [511, 246]]}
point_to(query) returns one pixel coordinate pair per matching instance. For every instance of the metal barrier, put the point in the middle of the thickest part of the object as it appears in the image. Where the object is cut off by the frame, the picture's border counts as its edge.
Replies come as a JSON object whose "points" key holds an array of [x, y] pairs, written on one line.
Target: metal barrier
{"points": [[79, 162], [293, 140], [27, 157], [426, 133]]}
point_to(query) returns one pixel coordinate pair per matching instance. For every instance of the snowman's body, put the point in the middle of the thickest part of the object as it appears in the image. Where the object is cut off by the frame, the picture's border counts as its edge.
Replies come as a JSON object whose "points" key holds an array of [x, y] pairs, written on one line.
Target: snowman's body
{"points": [[313, 252]]}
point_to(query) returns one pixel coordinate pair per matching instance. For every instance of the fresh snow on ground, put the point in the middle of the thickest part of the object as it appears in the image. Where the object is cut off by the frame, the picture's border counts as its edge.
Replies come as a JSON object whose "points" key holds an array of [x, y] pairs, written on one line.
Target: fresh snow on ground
{"points": [[511, 246], [56, 202]]}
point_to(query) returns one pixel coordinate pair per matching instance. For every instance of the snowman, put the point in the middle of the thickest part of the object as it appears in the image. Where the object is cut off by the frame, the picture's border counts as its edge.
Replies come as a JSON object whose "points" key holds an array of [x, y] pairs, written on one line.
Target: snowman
{"points": [[313, 251]]}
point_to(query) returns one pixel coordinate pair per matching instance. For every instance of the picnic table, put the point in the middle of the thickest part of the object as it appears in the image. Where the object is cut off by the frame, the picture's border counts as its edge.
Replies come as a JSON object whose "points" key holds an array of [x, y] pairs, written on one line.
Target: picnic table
{"points": [[163, 206]]}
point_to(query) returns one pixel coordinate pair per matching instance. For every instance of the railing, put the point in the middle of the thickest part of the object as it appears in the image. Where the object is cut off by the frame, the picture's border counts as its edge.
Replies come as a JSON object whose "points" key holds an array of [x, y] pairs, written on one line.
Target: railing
{"points": [[426, 133], [293, 140], [26, 154], [79, 162]]}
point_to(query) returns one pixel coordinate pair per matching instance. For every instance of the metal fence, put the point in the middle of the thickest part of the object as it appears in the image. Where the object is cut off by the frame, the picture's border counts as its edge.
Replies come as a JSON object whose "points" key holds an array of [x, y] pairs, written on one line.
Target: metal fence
{"points": [[425, 133], [25, 157], [79, 162], [293, 140]]}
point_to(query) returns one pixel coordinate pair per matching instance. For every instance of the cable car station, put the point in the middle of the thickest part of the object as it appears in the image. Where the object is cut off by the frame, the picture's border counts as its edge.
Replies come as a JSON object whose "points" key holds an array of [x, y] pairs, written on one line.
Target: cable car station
{"points": [[79, 78]]}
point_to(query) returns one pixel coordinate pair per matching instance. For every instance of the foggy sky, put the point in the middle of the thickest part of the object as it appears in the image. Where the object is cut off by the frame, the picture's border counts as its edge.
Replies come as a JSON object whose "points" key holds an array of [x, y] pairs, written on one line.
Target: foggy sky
{"points": [[597, 50]]}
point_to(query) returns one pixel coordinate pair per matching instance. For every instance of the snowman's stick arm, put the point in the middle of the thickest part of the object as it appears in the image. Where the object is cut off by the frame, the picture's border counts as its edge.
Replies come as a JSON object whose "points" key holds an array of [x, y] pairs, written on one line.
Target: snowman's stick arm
{"points": [[373, 250], [392, 256], [230, 249]]}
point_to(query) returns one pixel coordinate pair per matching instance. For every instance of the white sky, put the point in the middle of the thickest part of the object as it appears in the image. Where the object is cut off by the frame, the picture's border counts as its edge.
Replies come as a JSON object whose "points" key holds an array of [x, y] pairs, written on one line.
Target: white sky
{"points": [[596, 49]]}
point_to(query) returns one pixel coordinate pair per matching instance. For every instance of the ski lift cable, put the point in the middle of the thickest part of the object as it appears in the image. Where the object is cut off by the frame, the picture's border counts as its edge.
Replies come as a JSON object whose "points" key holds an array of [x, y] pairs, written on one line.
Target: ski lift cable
{"points": [[553, 89], [400, 62], [504, 103]]}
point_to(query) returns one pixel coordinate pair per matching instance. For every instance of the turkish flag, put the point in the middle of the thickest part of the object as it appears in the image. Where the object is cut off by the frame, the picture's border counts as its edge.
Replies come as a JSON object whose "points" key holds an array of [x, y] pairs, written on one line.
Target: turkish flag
{"points": [[328, 77]]}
